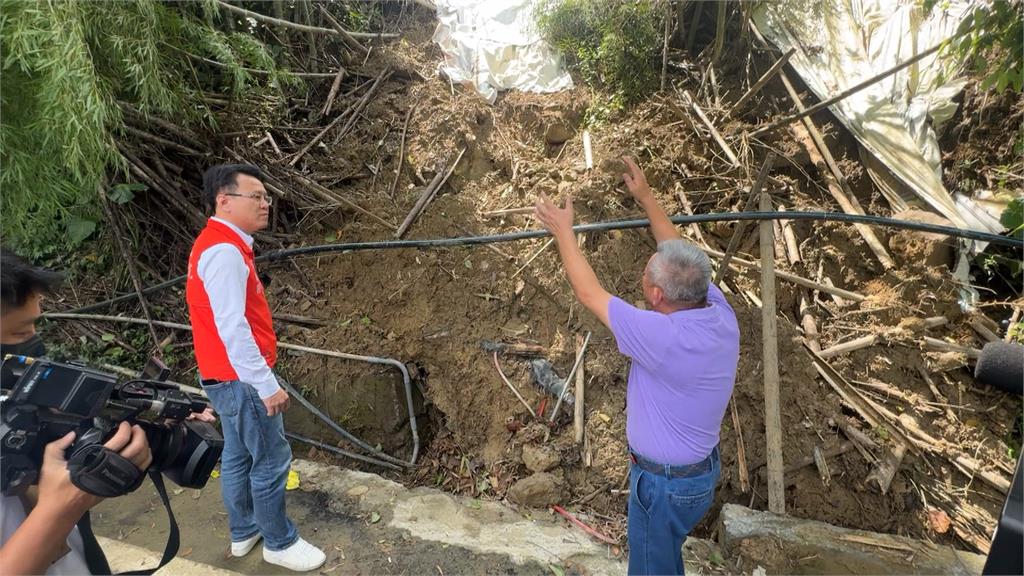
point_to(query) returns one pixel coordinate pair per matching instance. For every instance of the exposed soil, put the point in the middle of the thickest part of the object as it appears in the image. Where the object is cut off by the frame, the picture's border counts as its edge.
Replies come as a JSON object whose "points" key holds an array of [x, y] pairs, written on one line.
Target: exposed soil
{"points": [[432, 308]]}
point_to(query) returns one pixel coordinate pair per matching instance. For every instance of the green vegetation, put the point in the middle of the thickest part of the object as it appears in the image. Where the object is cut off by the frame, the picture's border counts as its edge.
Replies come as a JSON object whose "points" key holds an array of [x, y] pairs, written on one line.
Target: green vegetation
{"points": [[66, 66], [990, 44], [613, 45]]}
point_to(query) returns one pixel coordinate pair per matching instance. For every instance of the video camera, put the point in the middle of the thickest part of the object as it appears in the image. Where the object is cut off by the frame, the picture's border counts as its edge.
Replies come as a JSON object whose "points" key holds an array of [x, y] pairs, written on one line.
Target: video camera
{"points": [[43, 400]]}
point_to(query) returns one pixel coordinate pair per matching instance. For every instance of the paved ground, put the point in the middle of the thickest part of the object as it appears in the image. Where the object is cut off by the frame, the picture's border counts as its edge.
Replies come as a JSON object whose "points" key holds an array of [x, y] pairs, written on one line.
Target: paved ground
{"points": [[367, 525]]}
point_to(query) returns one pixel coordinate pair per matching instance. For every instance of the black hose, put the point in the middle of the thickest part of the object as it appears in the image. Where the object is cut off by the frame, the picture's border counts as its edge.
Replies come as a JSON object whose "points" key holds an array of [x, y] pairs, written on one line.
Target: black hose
{"points": [[595, 227]]}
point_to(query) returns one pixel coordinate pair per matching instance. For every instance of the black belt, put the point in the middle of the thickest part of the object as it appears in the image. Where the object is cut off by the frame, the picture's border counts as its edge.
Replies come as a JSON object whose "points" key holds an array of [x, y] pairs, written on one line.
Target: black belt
{"points": [[669, 471], [211, 382]]}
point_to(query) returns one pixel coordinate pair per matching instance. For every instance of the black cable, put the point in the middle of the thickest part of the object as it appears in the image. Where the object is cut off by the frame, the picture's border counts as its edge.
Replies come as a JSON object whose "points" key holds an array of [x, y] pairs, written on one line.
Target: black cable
{"points": [[277, 255]]}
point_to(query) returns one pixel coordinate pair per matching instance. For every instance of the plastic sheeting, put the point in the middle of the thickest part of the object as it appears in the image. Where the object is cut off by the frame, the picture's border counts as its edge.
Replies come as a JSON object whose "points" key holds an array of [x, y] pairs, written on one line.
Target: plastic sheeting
{"points": [[493, 45], [840, 43]]}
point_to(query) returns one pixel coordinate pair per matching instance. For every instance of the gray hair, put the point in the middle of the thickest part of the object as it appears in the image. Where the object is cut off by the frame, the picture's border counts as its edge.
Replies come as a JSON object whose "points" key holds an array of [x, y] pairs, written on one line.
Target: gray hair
{"points": [[681, 270]]}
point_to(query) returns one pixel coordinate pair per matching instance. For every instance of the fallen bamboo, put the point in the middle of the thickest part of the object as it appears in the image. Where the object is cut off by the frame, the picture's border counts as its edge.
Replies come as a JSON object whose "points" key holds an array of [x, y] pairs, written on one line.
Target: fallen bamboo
{"points": [[578, 424], [835, 181], [295, 25], [848, 92], [512, 387], [845, 347], [507, 212], [822, 466], [688, 208], [798, 280], [329, 196], [401, 152], [764, 78], [984, 331], [565, 384], [711, 127], [133, 271], [585, 527], [345, 34], [352, 114], [769, 339], [421, 201], [935, 392], [428, 195], [942, 346], [333, 93], [885, 470], [741, 227], [534, 257], [741, 451]]}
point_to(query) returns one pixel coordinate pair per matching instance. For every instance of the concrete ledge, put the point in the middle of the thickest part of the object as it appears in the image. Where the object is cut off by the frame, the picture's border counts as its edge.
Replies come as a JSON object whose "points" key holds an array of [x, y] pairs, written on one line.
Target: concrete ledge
{"points": [[783, 544], [125, 557]]}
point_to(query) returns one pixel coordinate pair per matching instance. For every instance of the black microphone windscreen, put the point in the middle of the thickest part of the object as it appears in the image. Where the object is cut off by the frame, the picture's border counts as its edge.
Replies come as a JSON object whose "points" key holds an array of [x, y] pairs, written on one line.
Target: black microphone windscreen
{"points": [[1002, 365]]}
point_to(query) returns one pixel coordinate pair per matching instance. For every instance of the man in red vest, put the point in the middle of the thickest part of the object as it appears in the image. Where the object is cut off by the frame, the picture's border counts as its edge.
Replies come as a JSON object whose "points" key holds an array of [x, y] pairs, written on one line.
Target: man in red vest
{"points": [[236, 350]]}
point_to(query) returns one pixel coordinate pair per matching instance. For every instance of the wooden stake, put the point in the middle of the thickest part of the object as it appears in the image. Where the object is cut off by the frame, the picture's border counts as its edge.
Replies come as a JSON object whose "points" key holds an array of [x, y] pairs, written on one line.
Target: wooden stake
{"points": [[769, 339], [577, 423]]}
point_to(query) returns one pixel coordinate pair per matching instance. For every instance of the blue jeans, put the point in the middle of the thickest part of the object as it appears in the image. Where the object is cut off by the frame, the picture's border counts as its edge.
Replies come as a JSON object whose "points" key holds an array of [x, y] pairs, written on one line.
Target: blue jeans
{"points": [[254, 465], [662, 511]]}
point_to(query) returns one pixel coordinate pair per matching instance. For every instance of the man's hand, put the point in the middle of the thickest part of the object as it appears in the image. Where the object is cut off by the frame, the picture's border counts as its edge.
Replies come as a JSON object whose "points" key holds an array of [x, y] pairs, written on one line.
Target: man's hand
{"points": [[635, 181], [277, 403], [204, 416], [130, 442], [556, 220]]}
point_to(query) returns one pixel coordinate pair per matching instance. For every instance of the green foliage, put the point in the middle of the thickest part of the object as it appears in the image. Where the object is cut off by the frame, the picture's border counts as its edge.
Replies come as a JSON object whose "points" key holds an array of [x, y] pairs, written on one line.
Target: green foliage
{"points": [[991, 42], [1013, 217], [65, 66], [613, 44]]}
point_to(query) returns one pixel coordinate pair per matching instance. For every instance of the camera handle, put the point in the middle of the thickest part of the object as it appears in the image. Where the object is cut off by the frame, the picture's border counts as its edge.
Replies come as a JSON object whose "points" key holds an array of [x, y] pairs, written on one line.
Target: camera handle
{"points": [[97, 561]]}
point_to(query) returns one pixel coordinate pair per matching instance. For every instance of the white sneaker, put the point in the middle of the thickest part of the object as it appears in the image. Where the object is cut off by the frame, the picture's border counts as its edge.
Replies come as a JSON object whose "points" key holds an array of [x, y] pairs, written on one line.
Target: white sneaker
{"points": [[300, 556], [239, 549]]}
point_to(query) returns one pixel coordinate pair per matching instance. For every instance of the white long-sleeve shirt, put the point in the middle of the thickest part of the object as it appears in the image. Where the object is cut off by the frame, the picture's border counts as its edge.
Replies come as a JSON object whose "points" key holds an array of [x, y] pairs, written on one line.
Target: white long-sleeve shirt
{"points": [[224, 274]]}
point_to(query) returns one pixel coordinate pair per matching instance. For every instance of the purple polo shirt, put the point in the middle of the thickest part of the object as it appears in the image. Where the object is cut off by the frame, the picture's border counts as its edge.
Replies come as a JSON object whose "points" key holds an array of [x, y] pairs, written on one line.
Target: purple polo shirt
{"points": [[684, 368]]}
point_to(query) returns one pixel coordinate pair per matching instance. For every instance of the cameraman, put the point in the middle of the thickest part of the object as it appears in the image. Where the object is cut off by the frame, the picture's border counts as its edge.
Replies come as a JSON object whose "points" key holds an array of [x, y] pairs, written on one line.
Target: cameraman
{"points": [[38, 532]]}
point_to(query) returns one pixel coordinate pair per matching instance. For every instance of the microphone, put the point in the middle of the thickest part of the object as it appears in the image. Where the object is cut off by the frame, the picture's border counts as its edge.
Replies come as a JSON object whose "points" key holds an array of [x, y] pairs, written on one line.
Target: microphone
{"points": [[1002, 365]]}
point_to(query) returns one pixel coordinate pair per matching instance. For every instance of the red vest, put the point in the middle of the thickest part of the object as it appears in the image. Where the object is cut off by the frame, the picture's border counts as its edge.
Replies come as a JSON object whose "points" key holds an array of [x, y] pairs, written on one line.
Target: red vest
{"points": [[211, 354]]}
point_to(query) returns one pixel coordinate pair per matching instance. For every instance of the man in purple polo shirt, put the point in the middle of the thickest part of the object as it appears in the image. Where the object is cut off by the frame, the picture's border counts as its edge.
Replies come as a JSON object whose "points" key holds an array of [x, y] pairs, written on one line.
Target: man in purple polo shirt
{"points": [[684, 349]]}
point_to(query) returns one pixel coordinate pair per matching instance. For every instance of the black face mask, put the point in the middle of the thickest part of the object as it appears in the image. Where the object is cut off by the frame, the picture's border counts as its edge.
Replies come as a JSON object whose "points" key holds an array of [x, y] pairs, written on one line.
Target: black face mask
{"points": [[33, 347]]}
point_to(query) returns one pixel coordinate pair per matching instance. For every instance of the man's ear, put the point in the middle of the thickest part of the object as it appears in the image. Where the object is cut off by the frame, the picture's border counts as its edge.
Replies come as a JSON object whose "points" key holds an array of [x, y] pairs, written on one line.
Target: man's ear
{"points": [[657, 296]]}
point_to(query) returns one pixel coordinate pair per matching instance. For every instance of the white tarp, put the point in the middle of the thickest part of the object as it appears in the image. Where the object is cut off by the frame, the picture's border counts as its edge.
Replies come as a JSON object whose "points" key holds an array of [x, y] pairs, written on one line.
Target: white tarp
{"points": [[840, 43], [494, 45]]}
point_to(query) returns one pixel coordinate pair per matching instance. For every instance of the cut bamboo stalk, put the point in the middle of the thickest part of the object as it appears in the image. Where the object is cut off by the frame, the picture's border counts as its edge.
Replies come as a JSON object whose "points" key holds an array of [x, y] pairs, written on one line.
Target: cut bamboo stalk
{"points": [[769, 339], [935, 392], [942, 346], [986, 334], [845, 347]]}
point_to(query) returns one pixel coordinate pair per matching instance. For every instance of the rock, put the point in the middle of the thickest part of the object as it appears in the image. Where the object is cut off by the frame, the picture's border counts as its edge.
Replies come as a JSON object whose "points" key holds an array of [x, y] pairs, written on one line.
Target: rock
{"points": [[540, 458], [538, 491], [557, 133]]}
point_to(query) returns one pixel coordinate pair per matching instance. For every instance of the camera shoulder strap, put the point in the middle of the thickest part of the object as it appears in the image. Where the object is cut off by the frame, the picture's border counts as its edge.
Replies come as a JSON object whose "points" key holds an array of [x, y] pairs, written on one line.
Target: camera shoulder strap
{"points": [[97, 561]]}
